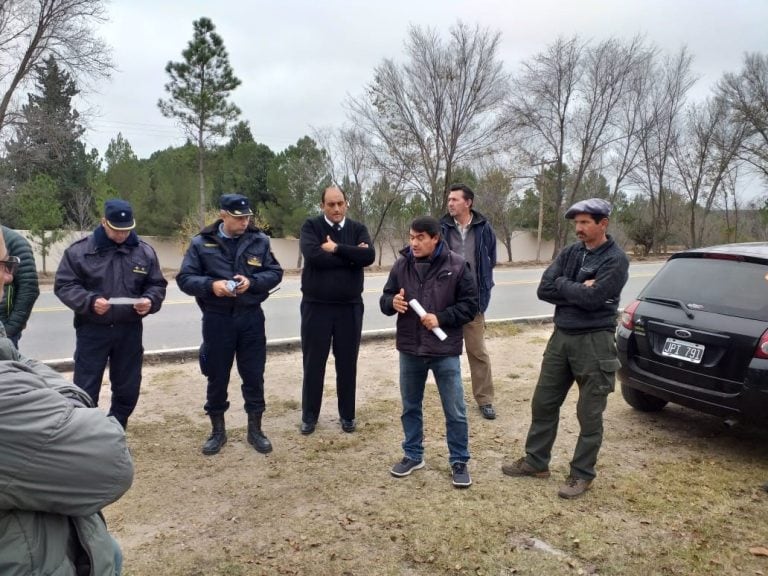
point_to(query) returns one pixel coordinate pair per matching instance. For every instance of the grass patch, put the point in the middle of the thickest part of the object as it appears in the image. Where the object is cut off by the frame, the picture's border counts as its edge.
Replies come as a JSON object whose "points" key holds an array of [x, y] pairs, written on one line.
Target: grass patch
{"points": [[676, 493]]}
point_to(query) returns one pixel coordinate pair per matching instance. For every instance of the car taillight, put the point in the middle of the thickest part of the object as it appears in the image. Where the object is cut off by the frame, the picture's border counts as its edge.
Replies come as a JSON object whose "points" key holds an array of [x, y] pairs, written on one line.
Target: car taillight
{"points": [[762, 347], [628, 316]]}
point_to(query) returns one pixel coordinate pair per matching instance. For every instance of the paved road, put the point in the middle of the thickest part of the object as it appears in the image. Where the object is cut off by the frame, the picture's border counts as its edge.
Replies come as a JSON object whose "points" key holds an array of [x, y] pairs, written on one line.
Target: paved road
{"points": [[50, 334]]}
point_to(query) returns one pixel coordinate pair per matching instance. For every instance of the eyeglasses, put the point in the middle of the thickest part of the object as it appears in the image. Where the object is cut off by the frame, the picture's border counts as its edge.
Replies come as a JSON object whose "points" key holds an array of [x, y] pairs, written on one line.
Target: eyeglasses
{"points": [[11, 264]]}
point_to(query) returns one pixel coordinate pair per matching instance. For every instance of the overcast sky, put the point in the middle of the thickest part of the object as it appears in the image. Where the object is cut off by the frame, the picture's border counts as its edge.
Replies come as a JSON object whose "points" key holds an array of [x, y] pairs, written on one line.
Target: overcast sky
{"points": [[298, 60]]}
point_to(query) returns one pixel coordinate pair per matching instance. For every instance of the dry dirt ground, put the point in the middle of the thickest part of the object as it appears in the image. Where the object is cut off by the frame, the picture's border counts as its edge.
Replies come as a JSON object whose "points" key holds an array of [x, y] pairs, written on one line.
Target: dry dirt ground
{"points": [[677, 492]]}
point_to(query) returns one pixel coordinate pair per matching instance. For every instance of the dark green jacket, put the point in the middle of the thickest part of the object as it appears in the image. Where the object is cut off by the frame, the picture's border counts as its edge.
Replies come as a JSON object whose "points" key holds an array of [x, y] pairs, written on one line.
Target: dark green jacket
{"points": [[21, 295]]}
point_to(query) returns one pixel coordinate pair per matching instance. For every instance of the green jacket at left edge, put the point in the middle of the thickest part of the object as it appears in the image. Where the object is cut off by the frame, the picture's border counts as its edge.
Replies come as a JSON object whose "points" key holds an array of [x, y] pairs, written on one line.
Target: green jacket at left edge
{"points": [[19, 296]]}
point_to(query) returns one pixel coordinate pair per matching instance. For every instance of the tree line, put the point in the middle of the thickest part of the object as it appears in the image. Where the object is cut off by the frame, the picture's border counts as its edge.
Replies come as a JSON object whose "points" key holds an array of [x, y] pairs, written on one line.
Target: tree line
{"points": [[608, 118]]}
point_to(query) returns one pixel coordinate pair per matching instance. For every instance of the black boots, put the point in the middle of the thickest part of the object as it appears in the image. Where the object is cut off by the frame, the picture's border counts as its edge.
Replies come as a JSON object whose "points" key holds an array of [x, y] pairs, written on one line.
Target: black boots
{"points": [[256, 437], [218, 436]]}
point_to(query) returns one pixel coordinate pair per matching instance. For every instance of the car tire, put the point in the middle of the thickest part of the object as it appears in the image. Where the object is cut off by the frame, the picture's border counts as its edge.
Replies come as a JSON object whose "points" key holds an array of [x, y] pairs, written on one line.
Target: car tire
{"points": [[640, 400]]}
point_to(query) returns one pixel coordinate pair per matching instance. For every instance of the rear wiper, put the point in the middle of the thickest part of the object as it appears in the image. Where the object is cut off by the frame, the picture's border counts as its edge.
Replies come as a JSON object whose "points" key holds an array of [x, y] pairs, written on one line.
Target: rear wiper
{"points": [[672, 301]]}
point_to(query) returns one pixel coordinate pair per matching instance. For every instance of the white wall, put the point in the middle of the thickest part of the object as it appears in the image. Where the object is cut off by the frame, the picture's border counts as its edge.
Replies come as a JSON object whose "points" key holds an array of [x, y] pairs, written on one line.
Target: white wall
{"points": [[170, 251]]}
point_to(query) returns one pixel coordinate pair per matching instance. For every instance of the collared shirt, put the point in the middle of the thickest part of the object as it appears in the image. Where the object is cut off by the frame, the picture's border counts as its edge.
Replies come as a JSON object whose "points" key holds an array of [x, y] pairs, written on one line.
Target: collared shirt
{"points": [[463, 229], [462, 241], [333, 225], [224, 234]]}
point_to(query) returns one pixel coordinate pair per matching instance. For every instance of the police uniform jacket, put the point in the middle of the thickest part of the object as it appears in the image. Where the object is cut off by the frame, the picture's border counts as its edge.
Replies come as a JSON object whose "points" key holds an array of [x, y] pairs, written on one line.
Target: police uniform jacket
{"points": [[209, 259], [446, 289], [97, 267]]}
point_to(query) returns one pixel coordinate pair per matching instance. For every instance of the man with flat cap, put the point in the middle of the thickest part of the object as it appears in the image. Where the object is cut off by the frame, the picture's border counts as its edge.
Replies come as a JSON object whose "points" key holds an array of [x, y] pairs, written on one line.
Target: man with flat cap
{"points": [[230, 270], [111, 279], [584, 283]]}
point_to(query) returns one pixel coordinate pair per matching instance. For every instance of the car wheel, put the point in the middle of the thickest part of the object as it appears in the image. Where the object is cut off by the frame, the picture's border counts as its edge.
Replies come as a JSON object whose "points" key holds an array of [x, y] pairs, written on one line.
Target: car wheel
{"points": [[640, 400]]}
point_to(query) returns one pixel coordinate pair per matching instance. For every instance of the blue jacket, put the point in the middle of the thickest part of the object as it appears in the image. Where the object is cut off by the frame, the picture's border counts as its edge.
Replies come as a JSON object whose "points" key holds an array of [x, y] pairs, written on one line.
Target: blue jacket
{"points": [[209, 259], [447, 290], [97, 267], [485, 253]]}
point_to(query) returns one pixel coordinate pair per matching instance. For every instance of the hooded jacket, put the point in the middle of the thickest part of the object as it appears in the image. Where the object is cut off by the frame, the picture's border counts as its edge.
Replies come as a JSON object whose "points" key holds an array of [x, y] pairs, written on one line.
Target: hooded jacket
{"points": [[61, 462], [447, 290], [485, 253]]}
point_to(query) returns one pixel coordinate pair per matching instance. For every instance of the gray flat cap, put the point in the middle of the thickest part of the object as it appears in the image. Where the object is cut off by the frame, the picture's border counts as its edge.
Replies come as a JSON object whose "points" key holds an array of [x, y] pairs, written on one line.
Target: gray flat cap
{"points": [[596, 206]]}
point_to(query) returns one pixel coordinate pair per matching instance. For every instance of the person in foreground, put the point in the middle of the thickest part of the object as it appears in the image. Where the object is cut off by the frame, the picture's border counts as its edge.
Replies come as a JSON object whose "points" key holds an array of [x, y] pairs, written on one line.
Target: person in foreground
{"points": [[336, 250], [584, 283], [112, 262], [444, 286], [229, 268], [61, 462]]}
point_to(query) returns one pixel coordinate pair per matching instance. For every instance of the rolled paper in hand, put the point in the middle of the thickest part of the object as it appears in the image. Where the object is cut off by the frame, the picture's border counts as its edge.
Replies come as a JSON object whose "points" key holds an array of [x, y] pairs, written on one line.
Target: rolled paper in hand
{"points": [[437, 331]]}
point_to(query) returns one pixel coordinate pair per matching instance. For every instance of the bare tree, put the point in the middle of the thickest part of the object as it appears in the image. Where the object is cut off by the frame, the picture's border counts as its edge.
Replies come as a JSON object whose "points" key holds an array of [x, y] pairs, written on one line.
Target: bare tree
{"points": [[541, 107], [31, 30], [731, 212], [703, 156], [349, 164], [747, 95], [496, 201], [612, 71], [436, 111], [660, 126], [568, 103], [624, 153]]}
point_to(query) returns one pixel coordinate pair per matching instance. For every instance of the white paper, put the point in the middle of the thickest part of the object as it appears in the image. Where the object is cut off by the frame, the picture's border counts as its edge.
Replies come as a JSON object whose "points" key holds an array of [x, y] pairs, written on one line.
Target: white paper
{"points": [[122, 300], [418, 308]]}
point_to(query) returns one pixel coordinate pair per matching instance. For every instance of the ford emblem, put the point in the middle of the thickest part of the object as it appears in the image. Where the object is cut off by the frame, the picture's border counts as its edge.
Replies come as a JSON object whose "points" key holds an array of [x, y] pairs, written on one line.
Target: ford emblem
{"points": [[682, 334]]}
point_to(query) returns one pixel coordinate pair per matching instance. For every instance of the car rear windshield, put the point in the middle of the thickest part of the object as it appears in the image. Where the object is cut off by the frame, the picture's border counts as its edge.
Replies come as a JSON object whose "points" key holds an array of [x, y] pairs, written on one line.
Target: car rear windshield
{"points": [[731, 287]]}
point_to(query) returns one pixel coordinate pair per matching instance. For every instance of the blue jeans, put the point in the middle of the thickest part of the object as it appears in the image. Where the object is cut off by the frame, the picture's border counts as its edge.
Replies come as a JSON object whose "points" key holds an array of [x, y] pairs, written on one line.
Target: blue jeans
{"points": [[413, 377], [118, 556]]}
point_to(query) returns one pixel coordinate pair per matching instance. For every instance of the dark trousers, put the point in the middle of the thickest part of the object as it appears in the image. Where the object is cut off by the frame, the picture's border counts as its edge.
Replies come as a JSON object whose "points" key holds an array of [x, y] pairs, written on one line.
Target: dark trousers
{"points": [[591, 360], [226, 337], [121, 345], [323, 326]]}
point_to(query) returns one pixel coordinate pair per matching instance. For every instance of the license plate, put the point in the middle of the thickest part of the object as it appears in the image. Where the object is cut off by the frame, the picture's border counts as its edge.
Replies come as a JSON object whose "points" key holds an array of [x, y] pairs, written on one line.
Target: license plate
{"points": [[682, 350]]}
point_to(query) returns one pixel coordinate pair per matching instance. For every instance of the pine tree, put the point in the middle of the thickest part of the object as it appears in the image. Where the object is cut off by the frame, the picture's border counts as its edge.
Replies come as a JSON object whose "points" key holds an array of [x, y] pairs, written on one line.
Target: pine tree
{"points": [[47, 140], [199, 88]]}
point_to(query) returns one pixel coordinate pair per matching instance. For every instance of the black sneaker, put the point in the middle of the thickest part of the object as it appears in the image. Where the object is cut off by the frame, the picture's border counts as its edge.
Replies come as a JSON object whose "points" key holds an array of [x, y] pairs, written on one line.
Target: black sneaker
{"points": [[488, 411], [348, 426], [461, 478], [405, 467]]}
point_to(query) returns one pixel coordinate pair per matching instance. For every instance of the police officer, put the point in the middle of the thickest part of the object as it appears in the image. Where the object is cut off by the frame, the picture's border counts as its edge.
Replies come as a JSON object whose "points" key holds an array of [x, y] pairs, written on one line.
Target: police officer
{"points": [[110, 263], [230, 270]]}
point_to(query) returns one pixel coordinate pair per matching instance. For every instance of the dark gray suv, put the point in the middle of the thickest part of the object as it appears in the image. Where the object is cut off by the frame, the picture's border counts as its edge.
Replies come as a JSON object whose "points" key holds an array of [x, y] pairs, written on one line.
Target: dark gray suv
{"points": [[698, 335]]}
